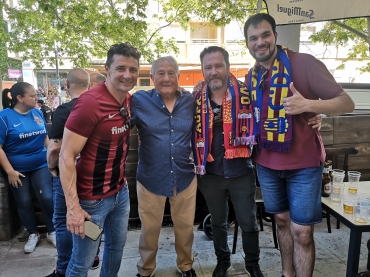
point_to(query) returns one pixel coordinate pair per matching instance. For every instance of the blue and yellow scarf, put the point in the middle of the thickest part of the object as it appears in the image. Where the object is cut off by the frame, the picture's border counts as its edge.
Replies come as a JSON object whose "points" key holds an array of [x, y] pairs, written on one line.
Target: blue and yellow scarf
{"points": [[273, 126]]}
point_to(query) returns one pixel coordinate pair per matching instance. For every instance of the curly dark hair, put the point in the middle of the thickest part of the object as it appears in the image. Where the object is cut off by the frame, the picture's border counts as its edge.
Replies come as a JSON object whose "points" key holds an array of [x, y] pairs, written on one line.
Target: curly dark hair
{"points": [[256, 19], [123, 48]]}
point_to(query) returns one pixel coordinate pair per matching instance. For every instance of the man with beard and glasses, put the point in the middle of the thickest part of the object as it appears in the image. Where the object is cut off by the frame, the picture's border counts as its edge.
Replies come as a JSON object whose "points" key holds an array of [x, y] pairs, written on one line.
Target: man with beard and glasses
{"points": [[290, 153], [95, 188], [222, 140]]}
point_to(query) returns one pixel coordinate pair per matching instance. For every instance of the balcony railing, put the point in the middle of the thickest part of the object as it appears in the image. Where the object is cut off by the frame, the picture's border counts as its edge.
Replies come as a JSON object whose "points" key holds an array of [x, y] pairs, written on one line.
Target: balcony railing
{"points": [[204, 41]]}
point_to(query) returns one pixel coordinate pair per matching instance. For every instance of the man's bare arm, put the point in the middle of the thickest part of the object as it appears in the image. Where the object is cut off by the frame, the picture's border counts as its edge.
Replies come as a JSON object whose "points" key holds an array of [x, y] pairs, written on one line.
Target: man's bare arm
{"points": [[53, 155], [72, 145], [297, 104]]}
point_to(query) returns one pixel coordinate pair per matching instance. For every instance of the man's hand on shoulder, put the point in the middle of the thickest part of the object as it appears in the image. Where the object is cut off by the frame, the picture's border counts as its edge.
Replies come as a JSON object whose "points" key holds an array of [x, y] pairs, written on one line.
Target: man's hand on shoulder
{"points": [[295, 104], [198, 86]]}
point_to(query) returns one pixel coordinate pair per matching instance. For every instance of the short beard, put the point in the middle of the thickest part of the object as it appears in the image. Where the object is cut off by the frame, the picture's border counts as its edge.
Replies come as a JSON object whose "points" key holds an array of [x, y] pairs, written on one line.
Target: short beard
{"points": [[266, 58], [216, 85]]}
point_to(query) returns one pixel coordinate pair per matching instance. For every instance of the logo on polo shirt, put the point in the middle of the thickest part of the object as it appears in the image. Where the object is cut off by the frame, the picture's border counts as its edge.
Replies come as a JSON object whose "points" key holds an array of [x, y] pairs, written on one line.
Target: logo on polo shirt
{"points": [[116, 130]]}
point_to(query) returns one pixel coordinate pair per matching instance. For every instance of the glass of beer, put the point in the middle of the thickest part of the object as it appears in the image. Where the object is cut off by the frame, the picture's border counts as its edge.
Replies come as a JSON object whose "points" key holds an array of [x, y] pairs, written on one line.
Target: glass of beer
{"points": [[361, 214], [353, 179], [349, 201]]}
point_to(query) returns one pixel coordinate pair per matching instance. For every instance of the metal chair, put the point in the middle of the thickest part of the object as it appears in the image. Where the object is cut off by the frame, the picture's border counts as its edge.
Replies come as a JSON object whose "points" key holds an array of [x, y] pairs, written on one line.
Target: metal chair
{"points": [[332, 154]]}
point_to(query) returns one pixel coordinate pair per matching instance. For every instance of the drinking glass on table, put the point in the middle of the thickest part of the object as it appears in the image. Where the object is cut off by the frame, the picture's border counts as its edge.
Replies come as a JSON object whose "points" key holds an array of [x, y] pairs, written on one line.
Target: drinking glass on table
{"points": [[353, 179], [337, 186]]}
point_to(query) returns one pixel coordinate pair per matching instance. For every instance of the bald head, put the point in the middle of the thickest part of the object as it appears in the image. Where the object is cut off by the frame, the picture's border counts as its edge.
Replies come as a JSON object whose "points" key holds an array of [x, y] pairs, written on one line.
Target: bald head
{"points": [[77, 82], [96, 79]]}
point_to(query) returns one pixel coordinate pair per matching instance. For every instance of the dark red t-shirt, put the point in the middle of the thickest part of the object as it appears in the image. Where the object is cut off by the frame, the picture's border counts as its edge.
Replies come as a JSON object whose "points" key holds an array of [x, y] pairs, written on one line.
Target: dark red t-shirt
{"points": [[312, 79], [96, 116]]}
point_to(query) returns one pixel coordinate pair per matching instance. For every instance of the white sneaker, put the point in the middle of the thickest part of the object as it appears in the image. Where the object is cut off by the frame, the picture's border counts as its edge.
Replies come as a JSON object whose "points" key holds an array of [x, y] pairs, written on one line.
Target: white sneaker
{"points": [[50, 237], [30, 246]]}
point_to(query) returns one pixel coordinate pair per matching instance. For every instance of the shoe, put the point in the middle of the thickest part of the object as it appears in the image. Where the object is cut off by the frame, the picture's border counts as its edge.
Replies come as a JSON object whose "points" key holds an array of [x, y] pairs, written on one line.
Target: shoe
{"points": [[30, 246], [151, 275], [254, 271], [221, 268], [55, 274], [50, 237], [96, 262], [189, 273]]}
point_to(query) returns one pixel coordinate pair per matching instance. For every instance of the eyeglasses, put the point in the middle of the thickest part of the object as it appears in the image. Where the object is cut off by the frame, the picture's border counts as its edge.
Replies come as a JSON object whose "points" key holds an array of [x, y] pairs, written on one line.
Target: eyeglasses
{"points": [[217, 119], [125, 113], [262, 81]]}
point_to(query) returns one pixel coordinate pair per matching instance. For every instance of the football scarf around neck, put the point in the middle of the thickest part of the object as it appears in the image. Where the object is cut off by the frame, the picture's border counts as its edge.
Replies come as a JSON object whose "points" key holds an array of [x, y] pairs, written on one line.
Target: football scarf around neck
{"points": [[273, 126], [237, 121]]}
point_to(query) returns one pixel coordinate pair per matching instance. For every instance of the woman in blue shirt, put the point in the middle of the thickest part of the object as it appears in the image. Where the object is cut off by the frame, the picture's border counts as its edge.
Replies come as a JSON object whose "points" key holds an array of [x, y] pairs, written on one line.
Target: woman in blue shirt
{"points": [[23, 143]]}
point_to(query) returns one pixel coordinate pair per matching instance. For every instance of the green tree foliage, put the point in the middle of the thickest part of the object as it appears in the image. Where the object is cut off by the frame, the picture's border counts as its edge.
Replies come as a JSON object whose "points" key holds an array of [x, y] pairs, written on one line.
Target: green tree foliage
{"points": [[5, 62], [340, 32], [83, 29]]}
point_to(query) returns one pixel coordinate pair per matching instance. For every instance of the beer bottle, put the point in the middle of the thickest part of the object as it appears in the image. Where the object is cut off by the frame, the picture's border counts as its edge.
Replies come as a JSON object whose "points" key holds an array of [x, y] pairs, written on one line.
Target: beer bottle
{"points": [[326, 181], [331, 171]]}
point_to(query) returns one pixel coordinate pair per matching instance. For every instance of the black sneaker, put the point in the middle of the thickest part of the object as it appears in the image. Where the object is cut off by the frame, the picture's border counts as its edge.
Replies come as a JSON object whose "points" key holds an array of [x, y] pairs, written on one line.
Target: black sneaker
{"points": [[254, 271], [139, 275], [189, 273], [222, 267], [55, 274], [96, 263]]}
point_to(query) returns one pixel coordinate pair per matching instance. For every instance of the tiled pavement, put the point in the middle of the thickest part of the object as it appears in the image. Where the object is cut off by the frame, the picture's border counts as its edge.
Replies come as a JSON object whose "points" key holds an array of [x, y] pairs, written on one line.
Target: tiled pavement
{"points": [[331, 255]]}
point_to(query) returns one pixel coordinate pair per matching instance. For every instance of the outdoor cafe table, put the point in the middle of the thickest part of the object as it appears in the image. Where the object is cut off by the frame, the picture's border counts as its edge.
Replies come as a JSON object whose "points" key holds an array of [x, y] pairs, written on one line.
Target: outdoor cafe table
{"points": [[336, 210]]}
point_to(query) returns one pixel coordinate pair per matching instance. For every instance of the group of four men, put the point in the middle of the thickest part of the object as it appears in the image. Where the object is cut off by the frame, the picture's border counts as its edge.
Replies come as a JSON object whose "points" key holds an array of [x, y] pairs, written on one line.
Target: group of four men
{"points": [[224, 119]]}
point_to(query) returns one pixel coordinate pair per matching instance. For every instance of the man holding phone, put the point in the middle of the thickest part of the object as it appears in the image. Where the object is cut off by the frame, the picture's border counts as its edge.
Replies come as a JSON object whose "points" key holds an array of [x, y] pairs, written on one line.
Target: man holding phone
{"points": [[77, 83], [95, 188]]}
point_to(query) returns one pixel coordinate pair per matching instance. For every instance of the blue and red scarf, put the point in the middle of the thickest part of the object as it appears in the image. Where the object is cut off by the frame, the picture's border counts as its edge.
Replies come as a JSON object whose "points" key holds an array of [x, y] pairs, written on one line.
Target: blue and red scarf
{"points": [[237, 120]]}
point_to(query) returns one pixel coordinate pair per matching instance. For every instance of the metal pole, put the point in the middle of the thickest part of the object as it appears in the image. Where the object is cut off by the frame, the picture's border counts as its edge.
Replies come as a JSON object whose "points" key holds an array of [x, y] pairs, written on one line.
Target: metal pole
{"points": [[57, 66], [368, 32]]}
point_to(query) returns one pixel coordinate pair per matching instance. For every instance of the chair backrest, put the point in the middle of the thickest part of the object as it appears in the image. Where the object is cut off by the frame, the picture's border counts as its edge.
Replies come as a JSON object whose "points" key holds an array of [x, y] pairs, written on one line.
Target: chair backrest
{"points": [[332, 153]]}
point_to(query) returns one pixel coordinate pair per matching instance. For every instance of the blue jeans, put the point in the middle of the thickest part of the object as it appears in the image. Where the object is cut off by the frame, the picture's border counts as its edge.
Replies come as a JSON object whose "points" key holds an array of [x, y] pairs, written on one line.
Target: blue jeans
{"points": [[111, 213], [40, 181], [297, 191], [63, 236], [241, 190]]}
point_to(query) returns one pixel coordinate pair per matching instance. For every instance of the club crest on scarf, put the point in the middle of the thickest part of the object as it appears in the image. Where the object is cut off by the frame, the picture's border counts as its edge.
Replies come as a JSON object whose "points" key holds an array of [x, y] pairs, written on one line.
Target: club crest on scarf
{"points": [[273, 125], [237, 121]]}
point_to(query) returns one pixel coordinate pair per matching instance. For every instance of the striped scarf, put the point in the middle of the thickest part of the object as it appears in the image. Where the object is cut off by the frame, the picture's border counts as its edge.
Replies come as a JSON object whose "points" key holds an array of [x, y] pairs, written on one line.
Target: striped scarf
{"points": [[273, 126], [236, 119]]}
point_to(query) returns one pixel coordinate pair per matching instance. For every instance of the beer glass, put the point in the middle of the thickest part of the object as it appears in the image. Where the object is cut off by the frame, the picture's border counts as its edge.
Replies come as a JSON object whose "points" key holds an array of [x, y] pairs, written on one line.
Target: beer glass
{"points": [[353, 179], [337, 186]]}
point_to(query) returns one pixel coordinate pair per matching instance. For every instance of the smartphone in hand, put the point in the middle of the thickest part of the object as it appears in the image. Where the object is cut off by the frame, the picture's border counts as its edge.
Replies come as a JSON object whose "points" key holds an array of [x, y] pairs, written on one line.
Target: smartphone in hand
{"points": [[92, 230]]}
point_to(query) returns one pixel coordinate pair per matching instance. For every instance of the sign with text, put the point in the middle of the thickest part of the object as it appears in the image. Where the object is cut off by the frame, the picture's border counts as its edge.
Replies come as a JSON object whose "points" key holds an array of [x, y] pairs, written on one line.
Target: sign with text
{"points": [[304, 11], [15, 73]]}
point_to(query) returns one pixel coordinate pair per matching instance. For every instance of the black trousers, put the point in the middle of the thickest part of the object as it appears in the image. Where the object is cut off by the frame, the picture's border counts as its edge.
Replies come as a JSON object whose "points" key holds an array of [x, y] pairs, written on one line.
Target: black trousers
{"points": [[241, 190]]}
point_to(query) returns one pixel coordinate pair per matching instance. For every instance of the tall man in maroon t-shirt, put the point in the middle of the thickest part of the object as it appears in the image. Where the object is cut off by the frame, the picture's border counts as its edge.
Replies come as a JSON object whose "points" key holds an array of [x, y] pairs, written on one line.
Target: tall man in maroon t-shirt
{"points": [[95, 188], [290, 153]]}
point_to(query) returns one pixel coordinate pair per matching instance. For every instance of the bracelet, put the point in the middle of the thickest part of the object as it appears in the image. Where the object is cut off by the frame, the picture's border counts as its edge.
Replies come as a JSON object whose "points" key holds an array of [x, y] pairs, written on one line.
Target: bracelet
{"points": [[51, 169]]}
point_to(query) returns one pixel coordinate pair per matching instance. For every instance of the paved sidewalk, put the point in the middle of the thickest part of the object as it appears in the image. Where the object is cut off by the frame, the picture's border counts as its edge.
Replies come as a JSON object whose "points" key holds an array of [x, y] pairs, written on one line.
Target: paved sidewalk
{"points": [[331, 253]]}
